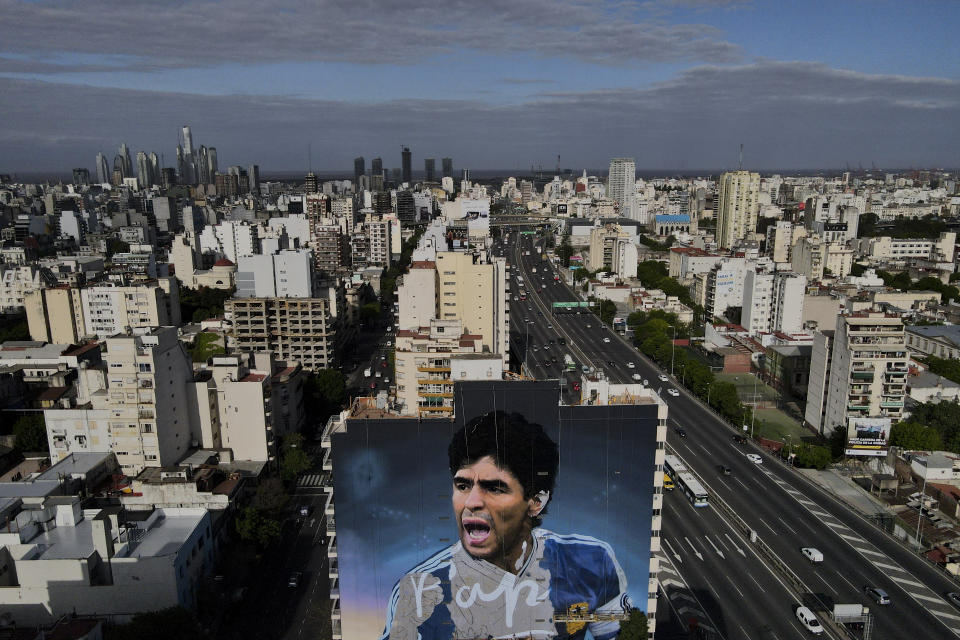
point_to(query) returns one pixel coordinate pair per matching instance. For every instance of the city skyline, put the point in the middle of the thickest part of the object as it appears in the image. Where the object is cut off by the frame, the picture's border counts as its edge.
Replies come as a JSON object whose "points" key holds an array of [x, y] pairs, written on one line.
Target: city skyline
{"points": [[673, 83]]}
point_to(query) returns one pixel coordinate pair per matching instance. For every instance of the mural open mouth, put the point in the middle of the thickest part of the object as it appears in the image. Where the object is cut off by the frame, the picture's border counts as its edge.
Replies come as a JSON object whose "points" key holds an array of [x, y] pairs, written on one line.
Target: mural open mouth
{"points": [[477, 531]]}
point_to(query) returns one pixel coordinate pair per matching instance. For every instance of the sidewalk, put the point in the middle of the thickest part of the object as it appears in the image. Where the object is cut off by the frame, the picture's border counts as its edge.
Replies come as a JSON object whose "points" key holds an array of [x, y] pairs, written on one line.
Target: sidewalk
{"points": [[847, 490]]}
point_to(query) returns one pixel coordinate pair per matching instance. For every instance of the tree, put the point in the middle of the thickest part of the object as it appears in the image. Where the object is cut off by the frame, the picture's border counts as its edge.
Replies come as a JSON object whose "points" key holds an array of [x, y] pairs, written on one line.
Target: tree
{"points": [[30, 432], [115, 245], [635, 627], [14, 327], [324, 393], [734, 314], [608, 309], [270, 498], [370, 312], [913, 435], [255, 527], [203, 303], [949, 369], [175, 622], [811, 456], [581, 274], [293, 459], [565, 250]]}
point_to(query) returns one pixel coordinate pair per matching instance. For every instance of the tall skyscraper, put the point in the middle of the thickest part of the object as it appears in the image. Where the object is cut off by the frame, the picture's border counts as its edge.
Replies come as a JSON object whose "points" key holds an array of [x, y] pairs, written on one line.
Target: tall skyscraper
{"points": [[407, 158], [212, 162], [187, 141], [621, 182], [154, 167], [428, 166], [253, 175], [447, 167], [358, 169], [103, 169], [127, 163], [310, 184], [737, 206], [376, 167], [143, 170], [81, 176]]}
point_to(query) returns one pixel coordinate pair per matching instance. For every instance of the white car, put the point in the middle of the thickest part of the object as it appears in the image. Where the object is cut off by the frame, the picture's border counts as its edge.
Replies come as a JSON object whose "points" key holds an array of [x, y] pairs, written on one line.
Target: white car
{"points": [[606, 339], [808, 620], [754, 458], [812, 554], [637, 377], [673, 392], [662, 378], [630, 365]]}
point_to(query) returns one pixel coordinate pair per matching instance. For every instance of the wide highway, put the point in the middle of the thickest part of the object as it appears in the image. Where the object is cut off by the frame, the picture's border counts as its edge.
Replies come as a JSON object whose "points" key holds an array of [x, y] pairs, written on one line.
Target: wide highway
{"points": [[720, 581]]}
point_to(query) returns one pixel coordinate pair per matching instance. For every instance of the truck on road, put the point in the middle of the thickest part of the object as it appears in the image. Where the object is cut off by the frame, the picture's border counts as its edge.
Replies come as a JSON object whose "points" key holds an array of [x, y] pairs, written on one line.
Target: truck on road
{"points": [[366, 372]]}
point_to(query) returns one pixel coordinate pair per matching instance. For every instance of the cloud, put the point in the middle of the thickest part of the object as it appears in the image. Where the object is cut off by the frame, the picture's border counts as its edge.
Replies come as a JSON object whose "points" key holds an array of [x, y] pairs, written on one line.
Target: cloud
{"points": [[788, 115], [202, 33]]}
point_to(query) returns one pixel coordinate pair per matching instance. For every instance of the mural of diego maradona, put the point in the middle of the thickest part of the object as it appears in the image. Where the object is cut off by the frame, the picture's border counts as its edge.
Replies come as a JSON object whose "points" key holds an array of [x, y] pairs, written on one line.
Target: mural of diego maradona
{"points": [[507, 575]]}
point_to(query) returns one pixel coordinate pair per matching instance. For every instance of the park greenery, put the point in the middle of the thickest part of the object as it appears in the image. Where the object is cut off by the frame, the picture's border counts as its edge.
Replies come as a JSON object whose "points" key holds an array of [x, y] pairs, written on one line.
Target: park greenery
{"points": [[655, 245], [258, 523], [293, 458], [635, 627], [388, 281], [14, 327], [30, 433], [928, 226], [653, 274], [930, 427], [565, 250], [949, 369]]}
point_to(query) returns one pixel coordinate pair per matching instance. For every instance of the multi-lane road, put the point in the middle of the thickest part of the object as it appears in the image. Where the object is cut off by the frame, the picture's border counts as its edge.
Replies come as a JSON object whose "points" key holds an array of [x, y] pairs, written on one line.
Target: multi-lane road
{"points": [[709, 571]]}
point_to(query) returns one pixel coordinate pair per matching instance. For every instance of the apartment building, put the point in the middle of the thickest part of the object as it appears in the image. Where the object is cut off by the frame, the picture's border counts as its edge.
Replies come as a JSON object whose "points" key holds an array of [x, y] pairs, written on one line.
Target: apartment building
{"points": [[142, 415], [17, 282], [772, 302], [417, 295], [475, 293], [430, 360], [284, 274], [63, 560], [886, 248], [610, 249], [295, 329], [814, 257], [737, 206], [867, 371], [109, 310], [722, 286]]}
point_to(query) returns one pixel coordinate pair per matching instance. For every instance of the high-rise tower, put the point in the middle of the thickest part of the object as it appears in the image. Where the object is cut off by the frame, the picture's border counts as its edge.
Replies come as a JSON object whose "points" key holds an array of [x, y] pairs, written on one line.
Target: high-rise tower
{"points": [[429, 164], [103, 168], [737, 206], [621, 182], [407, 158], [358, 169], [448, 167]]}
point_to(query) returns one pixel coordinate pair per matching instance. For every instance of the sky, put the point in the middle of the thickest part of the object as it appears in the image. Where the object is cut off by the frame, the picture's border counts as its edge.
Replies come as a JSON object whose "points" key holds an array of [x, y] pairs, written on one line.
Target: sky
{"points": [[499, 84]]}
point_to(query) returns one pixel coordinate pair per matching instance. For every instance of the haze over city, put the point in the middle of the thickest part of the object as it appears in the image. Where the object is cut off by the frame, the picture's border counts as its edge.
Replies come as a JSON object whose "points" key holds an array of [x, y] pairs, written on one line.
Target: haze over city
{"points": [[676, 84]]}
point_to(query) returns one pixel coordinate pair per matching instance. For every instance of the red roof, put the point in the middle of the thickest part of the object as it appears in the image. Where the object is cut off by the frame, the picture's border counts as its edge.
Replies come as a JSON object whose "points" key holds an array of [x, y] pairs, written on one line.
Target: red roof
{"points": [[255, 377], [423, 264], [223, 262]]}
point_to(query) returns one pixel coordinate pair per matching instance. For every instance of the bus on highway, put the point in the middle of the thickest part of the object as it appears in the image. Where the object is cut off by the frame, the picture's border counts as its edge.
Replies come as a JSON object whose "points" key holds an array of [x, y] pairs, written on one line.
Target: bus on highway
{"points": [[688, 484]]}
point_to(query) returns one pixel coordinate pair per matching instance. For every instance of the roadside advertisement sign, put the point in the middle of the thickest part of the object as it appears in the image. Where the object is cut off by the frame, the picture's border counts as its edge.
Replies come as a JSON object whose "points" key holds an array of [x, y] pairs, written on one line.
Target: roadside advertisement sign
{"points": [[868, 436]]}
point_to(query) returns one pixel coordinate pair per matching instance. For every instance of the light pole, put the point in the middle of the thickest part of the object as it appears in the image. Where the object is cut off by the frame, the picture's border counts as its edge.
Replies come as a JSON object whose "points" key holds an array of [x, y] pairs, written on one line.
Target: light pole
{"points": [[673, 347], [923, 493], [708, 394]]}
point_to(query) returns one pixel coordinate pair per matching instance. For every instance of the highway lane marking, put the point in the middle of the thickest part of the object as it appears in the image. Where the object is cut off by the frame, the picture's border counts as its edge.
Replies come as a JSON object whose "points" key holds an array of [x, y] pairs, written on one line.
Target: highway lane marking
{"points": [[921, 596], [705, 450], [785, 525], [824, 581], [719, 553], [677, 555], [870, 551], [844, 578], [905, 581], [772, 530], [697, 553], [849, 537], [836, 525], [737, 548], [888, 566], [741, 484]]}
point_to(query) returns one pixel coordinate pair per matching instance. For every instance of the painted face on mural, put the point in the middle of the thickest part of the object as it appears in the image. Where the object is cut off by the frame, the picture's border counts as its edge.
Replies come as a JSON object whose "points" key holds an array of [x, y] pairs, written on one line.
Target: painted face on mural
{"points": [[493, 517]]}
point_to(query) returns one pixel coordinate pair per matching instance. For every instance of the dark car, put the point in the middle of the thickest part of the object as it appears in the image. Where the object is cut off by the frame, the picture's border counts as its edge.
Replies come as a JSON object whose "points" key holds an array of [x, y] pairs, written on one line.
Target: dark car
{"points": [[724, 469], [740, 439], [561, 341], [682, 433]]}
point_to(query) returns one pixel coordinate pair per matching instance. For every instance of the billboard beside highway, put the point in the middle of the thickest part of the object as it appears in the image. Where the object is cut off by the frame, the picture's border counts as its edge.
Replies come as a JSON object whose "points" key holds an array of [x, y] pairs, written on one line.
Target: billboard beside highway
{"points": [[868, 436], [518, 517]]}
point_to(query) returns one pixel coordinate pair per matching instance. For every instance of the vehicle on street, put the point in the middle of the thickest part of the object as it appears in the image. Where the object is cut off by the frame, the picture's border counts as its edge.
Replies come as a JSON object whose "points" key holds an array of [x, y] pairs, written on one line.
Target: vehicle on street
{"points": [[589, 326], [631, 365], [373, 385], [576, 386], [954, 599], [585, 369], [740, 439], [366, 372], [561, 341], [637, 377], [294, 580], [662, 378], [754, 458], [673, 392], [386, 380], [304, 510], [646, 382], [877, 594], [725, 470], [813, 555], [549, 326], [681, 432], [606, 340], [808, 620]]}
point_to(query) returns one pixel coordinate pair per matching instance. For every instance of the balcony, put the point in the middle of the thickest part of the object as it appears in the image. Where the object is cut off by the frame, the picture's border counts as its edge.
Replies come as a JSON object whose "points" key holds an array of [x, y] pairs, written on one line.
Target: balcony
{"points": [[333, 568], [146, 414], [862, 374], [858, 407], [337, 630], [898, 404], [440, 409], [434, 381], [334, 588], [432, 369], [146, 384], [435, 394]]}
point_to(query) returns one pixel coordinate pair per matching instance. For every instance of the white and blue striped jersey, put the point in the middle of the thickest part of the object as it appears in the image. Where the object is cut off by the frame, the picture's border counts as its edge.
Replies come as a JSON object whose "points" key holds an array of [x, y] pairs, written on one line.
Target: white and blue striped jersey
{"points": [[453, 595]]}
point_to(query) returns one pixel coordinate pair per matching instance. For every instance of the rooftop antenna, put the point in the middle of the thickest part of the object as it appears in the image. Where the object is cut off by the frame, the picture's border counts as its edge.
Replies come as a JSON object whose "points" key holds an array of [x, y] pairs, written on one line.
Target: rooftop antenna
{"points": [[740, 166]]}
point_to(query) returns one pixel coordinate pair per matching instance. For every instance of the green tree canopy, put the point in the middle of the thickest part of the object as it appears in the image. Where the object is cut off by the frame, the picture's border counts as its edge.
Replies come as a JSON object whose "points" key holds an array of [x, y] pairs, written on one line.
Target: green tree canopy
{"points": [[255, 527], [31, 433], [634, 628], [913, 435]]}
